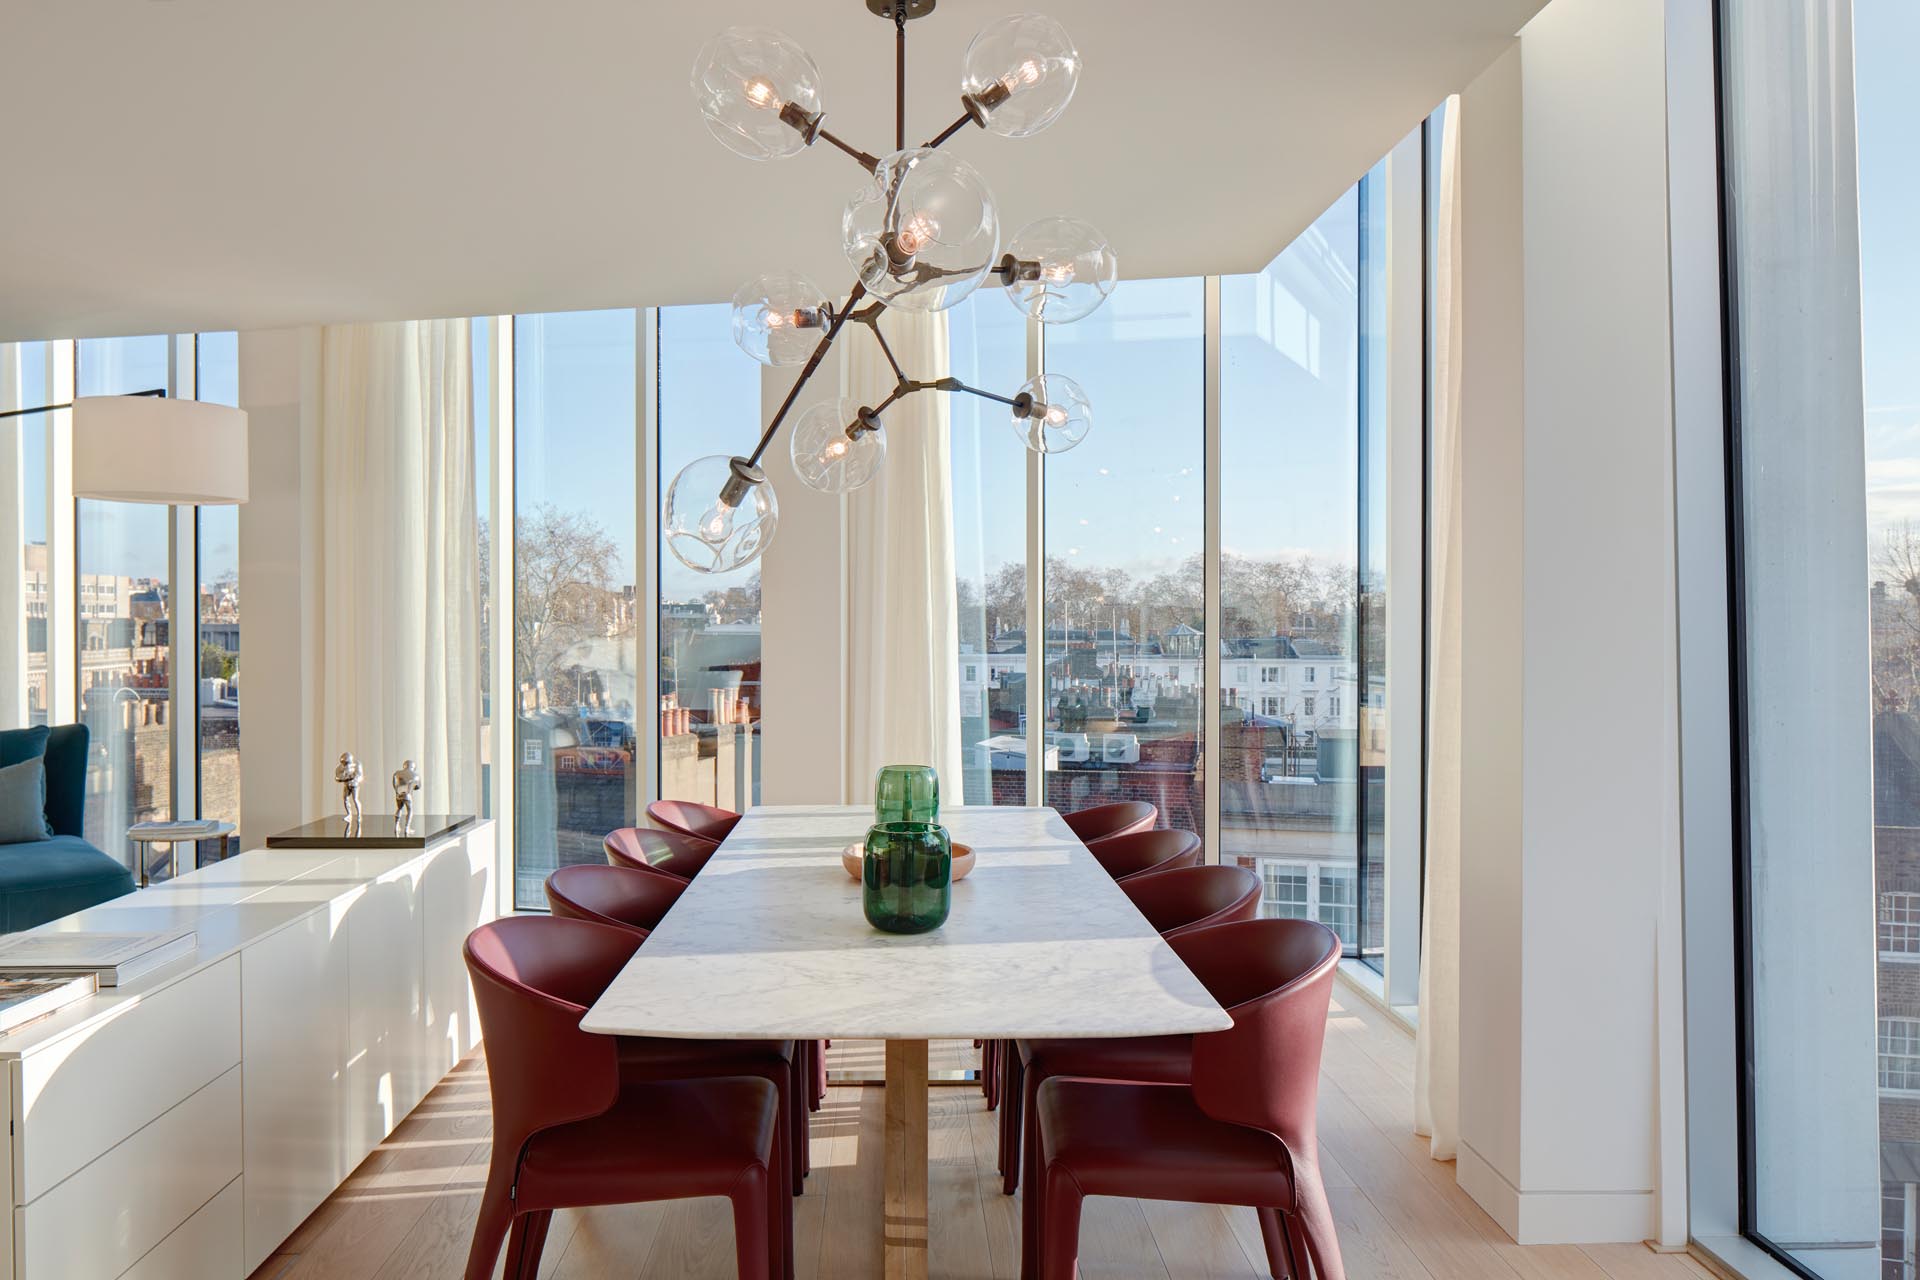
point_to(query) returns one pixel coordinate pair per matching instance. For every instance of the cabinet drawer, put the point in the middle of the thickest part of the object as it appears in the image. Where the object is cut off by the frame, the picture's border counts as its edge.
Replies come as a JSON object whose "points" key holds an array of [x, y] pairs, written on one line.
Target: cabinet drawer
{"points": [[110, 1214], [78, 1096], [204, 1247]]}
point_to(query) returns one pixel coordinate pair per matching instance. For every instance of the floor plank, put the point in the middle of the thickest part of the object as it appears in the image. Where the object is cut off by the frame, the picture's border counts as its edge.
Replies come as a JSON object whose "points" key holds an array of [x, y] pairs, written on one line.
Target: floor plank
{"points": [[407, 1211]]}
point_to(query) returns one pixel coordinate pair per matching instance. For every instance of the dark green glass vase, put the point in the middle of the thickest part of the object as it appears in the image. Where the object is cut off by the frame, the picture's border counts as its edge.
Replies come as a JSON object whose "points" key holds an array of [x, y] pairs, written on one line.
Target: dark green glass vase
{"points": [[906, 882], [906, 793]]}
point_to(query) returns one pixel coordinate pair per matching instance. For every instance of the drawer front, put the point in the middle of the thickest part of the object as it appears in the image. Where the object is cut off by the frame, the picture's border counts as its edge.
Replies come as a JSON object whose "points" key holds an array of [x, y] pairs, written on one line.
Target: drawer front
{"points": [[108, 1216], [204, 1247], [80, 1095]]}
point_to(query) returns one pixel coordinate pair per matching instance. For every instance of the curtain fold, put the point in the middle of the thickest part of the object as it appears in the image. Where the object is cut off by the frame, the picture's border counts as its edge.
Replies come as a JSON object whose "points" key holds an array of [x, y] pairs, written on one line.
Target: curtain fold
{"points": [[399, 660], [1436, 1076], [903, 640]]}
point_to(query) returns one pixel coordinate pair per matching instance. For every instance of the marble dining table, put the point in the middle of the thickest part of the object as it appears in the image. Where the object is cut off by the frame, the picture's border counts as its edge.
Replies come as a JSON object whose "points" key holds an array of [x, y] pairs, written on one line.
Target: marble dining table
{"points": [[769, 942]]}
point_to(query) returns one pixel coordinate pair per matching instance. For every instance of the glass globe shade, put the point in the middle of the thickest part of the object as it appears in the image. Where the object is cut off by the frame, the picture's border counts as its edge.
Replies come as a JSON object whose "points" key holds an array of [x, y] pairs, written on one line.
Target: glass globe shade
{"points": [[1073, 270], [719, 514], [758, 91], [1057, 414], [1020, 72], [923, 233], [825, 458], [779, 319]]}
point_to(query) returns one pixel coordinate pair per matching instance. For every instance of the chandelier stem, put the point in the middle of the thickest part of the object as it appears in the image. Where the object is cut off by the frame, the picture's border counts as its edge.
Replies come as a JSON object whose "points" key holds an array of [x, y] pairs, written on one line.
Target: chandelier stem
{"points": [[865, 161], [806, 372], [966, 117], [900, 75]]}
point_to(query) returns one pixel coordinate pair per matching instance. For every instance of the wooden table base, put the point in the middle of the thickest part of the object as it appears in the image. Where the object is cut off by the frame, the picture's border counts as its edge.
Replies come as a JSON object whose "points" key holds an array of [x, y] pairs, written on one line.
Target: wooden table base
{"points": [[906, 1161]]}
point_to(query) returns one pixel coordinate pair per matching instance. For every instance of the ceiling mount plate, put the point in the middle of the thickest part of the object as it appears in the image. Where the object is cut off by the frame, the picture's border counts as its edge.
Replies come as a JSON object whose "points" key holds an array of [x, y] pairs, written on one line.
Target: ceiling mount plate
{"points": [[914, 8]]}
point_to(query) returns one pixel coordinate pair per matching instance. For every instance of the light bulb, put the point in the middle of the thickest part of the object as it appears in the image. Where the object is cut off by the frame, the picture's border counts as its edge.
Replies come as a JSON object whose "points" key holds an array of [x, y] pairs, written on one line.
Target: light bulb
{"points": [[771, 316], [1020, 72], [738, 514], [924, 232], [837, 446], [758, 92], [1058, 270], [1051, 413]]}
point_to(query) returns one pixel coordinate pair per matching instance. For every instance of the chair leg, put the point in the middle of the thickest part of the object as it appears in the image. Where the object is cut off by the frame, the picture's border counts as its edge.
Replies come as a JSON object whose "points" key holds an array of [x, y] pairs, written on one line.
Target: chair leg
{"points": [[756, 1237], [1313, 1219], [990, 1071], [1060, 1227], [793, 1110], [1274, 1233], [1022, 1123], [525, 1244], [1030, 1159], [819, 1072], [490, 1225]]}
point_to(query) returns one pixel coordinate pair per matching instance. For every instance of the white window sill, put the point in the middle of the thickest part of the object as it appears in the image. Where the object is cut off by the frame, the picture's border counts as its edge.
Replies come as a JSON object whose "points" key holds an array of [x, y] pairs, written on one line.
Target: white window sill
{"points": [[1363, 979]]}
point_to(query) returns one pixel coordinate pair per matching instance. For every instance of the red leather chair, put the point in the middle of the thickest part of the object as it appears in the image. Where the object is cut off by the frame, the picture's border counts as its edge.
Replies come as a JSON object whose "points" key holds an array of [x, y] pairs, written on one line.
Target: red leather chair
{"points": [[1174, 902], [1117, 819], [1146, 853], [1242, 1132], [676, 853], [702, 821], [638, 900], [1188, 898], [619, 896], [569, 1131]]}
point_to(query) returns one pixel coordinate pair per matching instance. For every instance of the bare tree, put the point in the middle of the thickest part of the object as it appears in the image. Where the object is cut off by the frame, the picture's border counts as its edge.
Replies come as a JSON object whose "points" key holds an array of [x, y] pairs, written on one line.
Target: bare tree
{"points": [[562, 592]]}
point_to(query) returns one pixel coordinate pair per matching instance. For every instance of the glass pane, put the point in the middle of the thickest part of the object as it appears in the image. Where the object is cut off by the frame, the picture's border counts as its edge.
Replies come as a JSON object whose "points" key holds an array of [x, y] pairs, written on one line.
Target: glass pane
{"points": [[217, 378], [1369, 684], [575, 656], [1125, 528], [709, 622], [1289, 524], [123, 614], [988, 340], [1825, 273], [26, 381]]}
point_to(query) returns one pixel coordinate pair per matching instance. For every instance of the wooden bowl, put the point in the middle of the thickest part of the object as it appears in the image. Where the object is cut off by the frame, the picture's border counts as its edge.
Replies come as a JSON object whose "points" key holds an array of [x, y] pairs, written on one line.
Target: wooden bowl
{"points": [[853, 858]]}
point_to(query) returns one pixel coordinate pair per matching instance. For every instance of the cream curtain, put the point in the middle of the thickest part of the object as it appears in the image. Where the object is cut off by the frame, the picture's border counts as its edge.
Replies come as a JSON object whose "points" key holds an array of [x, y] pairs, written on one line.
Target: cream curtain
{"points": [[903, 646], [1436, 1093], [399, 660]]}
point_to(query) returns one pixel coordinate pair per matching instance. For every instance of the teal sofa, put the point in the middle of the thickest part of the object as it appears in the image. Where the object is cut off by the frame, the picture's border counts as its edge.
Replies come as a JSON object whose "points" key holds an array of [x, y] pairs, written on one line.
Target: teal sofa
{"points": [[42, 880]]}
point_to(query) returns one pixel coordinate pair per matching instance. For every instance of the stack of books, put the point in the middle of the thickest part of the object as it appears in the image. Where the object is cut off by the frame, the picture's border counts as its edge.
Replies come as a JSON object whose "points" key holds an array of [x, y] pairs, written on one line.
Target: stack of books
{"points": [[109, 958]]}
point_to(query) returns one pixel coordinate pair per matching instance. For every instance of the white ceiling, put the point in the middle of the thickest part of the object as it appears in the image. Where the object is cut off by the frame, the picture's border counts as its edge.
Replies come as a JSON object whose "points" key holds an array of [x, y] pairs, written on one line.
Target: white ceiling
{"points": [[177, 165]]}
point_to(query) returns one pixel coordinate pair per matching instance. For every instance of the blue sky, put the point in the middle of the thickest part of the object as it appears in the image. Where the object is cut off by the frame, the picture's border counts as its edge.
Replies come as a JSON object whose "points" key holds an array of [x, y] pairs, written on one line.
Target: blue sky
{"points": [[1886, 33]]}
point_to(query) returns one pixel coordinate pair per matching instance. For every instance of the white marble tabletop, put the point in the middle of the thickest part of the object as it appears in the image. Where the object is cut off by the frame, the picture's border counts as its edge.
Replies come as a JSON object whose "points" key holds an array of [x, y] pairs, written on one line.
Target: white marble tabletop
{"points": [[769, 942]]}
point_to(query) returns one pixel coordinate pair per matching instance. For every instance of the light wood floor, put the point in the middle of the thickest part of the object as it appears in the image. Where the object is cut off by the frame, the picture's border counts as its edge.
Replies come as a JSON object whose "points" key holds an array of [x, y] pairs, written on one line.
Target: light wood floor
{"points": [[408, 1210]]}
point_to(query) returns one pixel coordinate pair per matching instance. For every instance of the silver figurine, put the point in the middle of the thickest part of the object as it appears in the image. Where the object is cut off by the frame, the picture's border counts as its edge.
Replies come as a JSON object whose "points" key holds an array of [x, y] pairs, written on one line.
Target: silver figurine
{"points": [[406, 781], [348, 774]]}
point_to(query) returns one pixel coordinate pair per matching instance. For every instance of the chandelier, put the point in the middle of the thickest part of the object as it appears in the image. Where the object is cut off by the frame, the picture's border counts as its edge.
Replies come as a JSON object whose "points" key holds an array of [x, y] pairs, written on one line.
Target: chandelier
{"points": [[921, 234]]}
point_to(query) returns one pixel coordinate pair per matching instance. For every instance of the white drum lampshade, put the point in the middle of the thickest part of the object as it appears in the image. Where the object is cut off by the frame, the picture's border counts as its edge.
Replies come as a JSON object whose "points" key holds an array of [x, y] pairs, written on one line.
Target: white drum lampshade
{"points": [[158, 449]]}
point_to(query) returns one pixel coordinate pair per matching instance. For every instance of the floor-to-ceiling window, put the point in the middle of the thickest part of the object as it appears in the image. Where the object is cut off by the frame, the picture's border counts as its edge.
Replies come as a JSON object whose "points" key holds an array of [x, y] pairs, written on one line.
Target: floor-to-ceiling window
{"points": [[123, 661], [988, 339], [1823, 284], [709, 695], [216, 683], [1123, 655], [27, 381], [576, 631]]}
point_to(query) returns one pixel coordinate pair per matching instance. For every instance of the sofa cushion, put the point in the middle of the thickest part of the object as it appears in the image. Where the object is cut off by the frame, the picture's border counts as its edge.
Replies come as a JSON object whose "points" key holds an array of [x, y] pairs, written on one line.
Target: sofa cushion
{"points": [[23, 801], [67, 780], [43, 880], [22, 744]]}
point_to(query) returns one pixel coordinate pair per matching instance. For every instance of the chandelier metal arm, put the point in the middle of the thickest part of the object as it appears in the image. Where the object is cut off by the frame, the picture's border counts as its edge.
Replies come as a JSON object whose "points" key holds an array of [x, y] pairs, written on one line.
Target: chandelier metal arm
{"points": [[861, 158], [806, 372], [940, 138]]}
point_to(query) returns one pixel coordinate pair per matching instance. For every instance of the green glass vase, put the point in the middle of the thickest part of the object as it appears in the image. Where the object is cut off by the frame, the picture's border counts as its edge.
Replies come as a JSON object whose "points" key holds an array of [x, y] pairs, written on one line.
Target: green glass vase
{"points": [[906, 793], [906, 882]]}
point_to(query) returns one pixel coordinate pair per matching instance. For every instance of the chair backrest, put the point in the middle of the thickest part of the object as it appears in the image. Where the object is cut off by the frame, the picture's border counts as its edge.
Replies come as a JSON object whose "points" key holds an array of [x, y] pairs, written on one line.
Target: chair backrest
{"points": [[673, 852], [67, 779], [618, 896], [1117, 819], [1140, 853], [1275, 977], [1189, 898], [533, 980], [702, 820]]}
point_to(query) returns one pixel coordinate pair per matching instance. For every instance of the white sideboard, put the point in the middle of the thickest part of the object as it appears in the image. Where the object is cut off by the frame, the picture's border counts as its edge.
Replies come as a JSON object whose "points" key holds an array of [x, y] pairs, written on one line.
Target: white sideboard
{"points": [[180, 1127]]}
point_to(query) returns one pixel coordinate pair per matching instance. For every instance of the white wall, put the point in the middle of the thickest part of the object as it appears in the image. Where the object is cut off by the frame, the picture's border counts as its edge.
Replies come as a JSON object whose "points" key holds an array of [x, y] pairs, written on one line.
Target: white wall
{"points": [[278, 776], [1570, 814]]}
